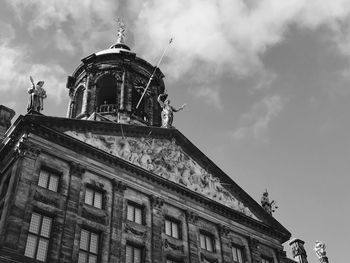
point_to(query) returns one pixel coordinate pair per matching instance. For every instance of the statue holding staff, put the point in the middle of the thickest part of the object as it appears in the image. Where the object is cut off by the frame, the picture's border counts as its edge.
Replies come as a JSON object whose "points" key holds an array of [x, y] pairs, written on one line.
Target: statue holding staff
{"points": [[168, 110], [37, 96]]}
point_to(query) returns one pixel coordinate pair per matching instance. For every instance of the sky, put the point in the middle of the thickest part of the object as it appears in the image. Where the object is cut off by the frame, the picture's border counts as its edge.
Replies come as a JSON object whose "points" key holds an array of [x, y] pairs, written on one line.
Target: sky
{"points": [[266, 82]]}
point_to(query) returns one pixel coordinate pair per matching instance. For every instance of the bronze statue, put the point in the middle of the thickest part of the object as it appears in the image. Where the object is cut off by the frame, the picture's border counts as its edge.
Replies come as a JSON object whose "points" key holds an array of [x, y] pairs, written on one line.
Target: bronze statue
{"points": [[168, 111], [37, 96]]}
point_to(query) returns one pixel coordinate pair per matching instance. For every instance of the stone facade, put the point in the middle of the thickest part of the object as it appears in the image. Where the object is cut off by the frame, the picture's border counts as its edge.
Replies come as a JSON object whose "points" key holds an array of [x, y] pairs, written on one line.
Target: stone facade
{"points": [[79, 166]]}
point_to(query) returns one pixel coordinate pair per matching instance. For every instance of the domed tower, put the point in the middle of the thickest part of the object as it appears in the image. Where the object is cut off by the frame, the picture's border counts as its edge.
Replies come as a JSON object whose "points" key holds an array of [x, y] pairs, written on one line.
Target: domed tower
{"points": [[108, 85]]}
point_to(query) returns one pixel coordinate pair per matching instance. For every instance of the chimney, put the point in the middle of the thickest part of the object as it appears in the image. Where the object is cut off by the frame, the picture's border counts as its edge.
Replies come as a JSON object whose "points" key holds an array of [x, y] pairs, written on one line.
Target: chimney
{"points": [[6, 115], [298, 250]]}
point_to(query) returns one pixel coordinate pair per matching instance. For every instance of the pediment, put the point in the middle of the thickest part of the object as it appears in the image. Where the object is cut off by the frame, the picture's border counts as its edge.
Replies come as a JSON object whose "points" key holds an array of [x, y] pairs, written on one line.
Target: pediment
{"points": [[165, 158]]}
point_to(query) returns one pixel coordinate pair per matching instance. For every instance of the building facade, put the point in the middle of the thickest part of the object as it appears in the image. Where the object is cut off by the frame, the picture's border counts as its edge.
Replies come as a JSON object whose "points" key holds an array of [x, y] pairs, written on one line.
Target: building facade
{"points": [[108, 184]]}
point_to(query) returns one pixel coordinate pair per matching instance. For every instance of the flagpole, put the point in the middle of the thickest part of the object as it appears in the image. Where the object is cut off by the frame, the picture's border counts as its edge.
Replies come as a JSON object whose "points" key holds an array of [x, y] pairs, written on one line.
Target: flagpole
{"points": [[152, 76]]}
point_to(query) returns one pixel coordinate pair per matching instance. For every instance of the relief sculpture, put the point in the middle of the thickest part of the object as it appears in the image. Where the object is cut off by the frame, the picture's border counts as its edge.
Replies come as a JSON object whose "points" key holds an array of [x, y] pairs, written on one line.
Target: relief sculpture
{"points": [[166, 159]]}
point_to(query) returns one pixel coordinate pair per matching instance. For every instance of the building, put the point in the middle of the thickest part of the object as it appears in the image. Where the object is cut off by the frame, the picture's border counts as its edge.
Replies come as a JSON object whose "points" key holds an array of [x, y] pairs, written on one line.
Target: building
{"points": [[108, 184]]}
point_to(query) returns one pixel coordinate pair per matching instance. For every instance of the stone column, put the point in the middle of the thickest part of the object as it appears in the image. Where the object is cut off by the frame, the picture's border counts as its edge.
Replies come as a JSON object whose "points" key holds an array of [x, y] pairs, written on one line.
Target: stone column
{"points": [[192, 219], [298, 250], [6, 115], [116, 221], [157, 222], [71, 208]]}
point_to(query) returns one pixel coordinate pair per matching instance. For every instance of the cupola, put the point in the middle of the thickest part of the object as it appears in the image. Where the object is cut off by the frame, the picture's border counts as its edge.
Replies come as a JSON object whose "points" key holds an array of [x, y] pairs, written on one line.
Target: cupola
{"points": [[109, 84]]}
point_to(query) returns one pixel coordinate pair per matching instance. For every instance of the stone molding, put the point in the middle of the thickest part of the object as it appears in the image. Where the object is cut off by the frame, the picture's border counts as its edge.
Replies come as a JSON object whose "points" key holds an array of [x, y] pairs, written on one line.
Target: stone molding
{"points": [[130, 229], [168, 244], [77, 169], [119, 186], [224, 230], [207, 259]]}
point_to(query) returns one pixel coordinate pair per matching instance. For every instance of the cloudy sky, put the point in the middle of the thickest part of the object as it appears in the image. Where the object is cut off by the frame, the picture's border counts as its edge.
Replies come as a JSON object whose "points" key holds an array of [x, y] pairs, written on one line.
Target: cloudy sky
{"points": [[267, 83]]}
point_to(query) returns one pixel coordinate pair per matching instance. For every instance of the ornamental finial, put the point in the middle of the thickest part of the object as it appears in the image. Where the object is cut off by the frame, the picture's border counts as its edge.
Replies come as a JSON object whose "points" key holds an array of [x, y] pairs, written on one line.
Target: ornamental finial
{"points": [[120, 30]]}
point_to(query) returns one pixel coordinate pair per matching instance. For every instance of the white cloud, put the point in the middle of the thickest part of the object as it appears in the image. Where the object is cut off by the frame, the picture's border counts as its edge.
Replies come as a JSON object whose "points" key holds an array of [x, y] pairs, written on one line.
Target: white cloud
{"points": [[255, 123]]}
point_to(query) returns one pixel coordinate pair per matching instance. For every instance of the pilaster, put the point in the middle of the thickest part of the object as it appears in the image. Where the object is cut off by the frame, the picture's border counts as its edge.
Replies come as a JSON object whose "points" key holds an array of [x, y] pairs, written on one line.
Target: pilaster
{"points": [[192, 219], [157, 223]]}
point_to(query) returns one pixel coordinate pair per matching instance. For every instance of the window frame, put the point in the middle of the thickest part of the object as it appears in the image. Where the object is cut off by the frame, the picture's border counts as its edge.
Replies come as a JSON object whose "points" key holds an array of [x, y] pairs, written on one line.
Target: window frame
{"points": [[51, 173], [175, 222], [135, 206], [207, 236], [88, 252], [38, 236], [238, 248], [94, 191], [135, 246], [265, 259]]}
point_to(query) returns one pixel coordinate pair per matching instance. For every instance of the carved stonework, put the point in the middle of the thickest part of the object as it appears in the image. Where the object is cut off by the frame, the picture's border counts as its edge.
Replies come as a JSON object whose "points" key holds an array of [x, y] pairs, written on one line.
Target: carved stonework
{"points": [[101, 219], [45, 199], [157, 202], [207, 259], [130, 229], [23, 148], [254, 243], [224, 230], [192, 217], [119, 186], [165, 158], [168, 244], [77, 169]]}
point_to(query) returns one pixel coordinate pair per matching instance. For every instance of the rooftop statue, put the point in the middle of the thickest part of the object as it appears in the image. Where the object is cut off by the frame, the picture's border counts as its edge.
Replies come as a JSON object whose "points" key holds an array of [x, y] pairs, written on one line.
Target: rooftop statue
{"points": [[37, 96], [320, 249], [266, 204], [168, 111]]}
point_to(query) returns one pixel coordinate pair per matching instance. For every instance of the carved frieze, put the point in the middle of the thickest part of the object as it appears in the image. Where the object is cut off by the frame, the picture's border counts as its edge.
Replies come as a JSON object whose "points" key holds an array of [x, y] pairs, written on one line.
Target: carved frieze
{"points": [[101, 219], [156, 202], [192, 217], [168, 244], [46, 199], [119, 186], [130, 229], [208, 259], [224, 230], [166, 159]]}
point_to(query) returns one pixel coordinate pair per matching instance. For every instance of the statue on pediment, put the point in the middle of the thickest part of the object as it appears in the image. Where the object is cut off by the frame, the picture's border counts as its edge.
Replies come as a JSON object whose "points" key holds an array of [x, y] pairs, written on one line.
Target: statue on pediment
{"points": [[168, 110], [37, 96]]}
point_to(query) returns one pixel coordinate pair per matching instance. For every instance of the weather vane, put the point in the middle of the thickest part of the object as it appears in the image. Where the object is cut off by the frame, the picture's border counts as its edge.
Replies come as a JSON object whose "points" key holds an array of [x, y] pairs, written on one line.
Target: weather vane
{"points": [[120, 30]]}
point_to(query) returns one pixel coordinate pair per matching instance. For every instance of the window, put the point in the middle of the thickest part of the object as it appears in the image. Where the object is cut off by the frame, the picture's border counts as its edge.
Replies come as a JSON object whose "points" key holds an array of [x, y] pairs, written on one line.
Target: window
{"points": [[88, 252], [38, 238], [207, 242], [266, 260], [134, 213], [172, 228], [93, 197], [133, 254], [237, 254], [48, 180], [172, 261]]}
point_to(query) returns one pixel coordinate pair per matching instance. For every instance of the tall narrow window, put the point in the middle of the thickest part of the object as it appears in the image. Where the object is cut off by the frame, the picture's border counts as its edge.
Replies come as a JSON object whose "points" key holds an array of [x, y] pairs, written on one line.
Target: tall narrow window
{"points": [[134, 213], [237, 254], [172, 228], [206, 242], [48, 180], [38, 238], [133, 254], [93, 197], [88, 252]]}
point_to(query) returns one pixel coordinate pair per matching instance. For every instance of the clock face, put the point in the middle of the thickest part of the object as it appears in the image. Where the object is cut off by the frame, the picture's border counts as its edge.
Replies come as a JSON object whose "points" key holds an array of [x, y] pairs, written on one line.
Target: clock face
{"points": [[140, 85]]}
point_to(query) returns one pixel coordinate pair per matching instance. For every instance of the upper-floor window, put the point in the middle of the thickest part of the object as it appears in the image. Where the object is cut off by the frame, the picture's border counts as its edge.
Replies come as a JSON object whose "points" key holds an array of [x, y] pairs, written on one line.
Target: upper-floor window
{"points": [[206, 242], [173, 261], [48, 180], [133, 254], [266, 260], [237, 254], [88, 248], [134, 213], [93, 197], [172, 228], [38, 237]]}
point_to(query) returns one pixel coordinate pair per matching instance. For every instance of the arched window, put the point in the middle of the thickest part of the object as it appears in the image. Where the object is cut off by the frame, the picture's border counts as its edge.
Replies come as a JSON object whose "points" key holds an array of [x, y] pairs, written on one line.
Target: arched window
{"points": [[106, 91], [79, 96]]}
